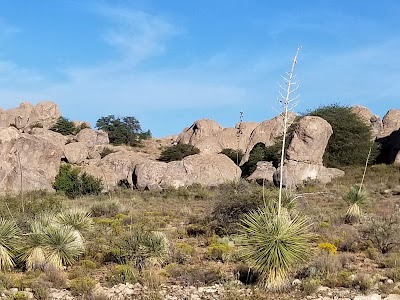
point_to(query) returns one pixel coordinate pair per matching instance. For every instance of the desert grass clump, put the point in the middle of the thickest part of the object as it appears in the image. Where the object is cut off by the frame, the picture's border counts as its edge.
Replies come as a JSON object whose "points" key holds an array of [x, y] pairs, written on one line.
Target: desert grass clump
{"points": [[8, 243], [356, 197]]}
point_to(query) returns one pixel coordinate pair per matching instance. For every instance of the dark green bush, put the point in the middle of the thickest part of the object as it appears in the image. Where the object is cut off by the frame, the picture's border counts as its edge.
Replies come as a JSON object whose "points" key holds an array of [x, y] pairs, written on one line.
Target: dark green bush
{"points": [[124, 130], [351, 139], [234, 155], [73, 184], [106, 151], [178, 152], [64, 126], [231, 203]]}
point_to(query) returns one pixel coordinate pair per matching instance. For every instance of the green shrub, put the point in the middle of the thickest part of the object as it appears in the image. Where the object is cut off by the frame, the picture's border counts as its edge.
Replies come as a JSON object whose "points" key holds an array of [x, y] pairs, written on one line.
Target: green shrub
{"points": [[218, 251], [234, 155], [231, 203], [310, 285], [125, 130], [122, 274], [382, 231], [177, 152], [351, 139], [105, 209], [195, 230], [82, 286], [64, 126], [139, 245], [73, 184]]}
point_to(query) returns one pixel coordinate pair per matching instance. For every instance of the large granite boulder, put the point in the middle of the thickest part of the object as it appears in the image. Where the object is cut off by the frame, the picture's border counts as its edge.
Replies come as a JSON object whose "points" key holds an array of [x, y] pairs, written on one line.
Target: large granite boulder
{"points": [[264, 172], [44, 114], [266, 133], [397, 159], [309, 141], [27, 162], [205, 169], [115, 168], [390, 123], [76, 153], [210, 138], [304, 155], [92, 137], [368, 118]]}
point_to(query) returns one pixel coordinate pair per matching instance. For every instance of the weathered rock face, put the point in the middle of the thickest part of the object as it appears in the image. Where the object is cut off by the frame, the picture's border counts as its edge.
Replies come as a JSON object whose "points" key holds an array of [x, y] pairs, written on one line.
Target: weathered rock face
{"points": [[295, 173], [76, 153], [305, 152], [206, 169], [309, 140], [391, 123], [115, 167], [27, 162], [264, 171], [368, 118], [266, 133], [28, 115], [209, 137], [92, 137], [199, 130], [50, 136]]}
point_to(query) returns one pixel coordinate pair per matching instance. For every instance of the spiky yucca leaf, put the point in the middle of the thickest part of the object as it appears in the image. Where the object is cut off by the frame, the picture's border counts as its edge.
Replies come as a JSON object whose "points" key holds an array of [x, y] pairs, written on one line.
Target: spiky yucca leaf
{"points": [[8, 243], [274, 244], [35, 258]]}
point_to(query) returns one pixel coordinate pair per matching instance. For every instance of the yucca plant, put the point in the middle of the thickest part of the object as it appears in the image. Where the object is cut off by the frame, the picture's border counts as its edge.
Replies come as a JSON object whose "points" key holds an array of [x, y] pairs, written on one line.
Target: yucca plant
{"points": [[8, 243], [51, 244], [78, 219], [274, 239], [273, 244], [355, 197]]}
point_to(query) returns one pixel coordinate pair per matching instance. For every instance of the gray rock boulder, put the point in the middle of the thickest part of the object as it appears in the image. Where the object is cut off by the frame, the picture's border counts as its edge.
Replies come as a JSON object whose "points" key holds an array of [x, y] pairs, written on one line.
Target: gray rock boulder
{"points": [[295, 173], [27, 115], [92, 137], [390, 123], [304, 155], [76, 153], [368, 118], [115, 167], [27, 162], [264, 171], [51, 136], [397, 159], [265, 133], [309, 141], [205, 169], [199, 130]]}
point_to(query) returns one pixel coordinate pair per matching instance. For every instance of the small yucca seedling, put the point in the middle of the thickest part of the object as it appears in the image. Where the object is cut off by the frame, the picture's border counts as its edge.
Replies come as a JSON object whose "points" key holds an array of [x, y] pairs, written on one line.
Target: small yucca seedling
{"points": [[355, 197]]}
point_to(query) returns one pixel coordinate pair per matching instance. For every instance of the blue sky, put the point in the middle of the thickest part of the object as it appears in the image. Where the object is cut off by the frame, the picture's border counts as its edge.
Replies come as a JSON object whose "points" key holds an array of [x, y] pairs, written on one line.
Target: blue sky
{"points": [[171, 62]]}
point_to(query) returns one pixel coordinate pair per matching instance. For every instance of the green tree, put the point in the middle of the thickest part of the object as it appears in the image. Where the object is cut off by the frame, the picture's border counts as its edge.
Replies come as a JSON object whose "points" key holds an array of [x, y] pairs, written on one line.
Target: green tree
{"points": [[73, 184], [64, 126], [234, 155], [351, 138], [124, 130], [178, 152]]}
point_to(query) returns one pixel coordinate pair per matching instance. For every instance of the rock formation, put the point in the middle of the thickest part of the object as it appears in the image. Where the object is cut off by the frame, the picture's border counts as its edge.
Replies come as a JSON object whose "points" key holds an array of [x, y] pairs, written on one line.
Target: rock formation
{"points": [[305, 152], [206, 169], [264, 171], [390, 122], [44, 114], [27, 162], [266, 133], [209, 137], [368, 118]]}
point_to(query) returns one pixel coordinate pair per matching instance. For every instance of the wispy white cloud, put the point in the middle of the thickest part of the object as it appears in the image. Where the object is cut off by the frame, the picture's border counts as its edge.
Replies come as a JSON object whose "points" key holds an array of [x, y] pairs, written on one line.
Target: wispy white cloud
{"points": [[135, 34]]}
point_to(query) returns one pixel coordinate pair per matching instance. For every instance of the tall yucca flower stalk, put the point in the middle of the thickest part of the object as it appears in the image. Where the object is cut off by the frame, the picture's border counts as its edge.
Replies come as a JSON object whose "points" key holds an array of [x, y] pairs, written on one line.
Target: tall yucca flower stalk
{"points": [[8, 243], [273, 239]]}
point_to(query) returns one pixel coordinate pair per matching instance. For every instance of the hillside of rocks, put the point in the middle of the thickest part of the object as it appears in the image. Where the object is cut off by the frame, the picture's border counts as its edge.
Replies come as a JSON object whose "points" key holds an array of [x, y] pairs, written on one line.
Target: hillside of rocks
{"points": [[31, 154]]}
